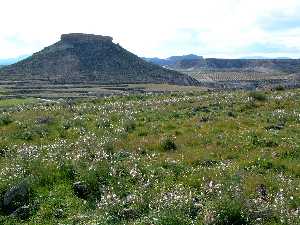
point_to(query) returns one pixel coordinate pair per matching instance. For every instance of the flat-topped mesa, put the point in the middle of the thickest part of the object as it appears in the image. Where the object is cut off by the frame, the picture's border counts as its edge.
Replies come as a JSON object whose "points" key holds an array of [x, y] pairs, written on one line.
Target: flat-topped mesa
{"points": [[92, 59], [84, 38]]}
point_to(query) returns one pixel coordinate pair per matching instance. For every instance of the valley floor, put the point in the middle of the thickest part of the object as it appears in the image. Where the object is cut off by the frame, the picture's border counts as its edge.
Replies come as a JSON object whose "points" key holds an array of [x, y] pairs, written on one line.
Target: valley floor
{"points": [[177, 158]]}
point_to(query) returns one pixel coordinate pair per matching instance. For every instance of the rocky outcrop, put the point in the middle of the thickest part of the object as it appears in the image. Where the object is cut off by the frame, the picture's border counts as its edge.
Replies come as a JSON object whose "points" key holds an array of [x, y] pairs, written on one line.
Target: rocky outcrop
{"points": [[84, 38], [16, 197], [87, 58], [81, 190]]}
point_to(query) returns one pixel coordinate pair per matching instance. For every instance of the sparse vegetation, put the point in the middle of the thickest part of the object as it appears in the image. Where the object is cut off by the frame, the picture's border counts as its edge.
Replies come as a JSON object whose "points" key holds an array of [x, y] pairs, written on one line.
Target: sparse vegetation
{"points": [[258, 95], [200, 158]]}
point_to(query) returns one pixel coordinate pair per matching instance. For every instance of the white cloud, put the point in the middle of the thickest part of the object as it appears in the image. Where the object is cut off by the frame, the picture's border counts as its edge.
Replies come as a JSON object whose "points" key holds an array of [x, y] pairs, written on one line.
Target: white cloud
{"points": [[148, 27]]}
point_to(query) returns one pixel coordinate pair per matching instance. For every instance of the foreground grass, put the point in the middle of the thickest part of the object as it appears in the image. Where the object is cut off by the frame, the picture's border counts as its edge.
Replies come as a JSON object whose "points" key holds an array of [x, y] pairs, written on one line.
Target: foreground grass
{"points": [[15, 101], [202, 158]]}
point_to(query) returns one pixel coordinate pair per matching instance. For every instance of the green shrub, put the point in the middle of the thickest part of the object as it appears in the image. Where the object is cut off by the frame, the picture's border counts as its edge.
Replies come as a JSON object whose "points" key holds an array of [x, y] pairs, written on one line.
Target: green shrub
{"points": [[259, 96], [204, 119], [44, 120], [176, 168], [26, 135], [29, 133], [45, 175], [173, 218], [230, 213], [109, 147], [104, 124], [40, 131], [168, 144], [262, 142], [5, 119], [266, 164], [129, 126], [67, 124], [279, 88], [143, 133], [67, 170], [95, 178], [231, 114]]}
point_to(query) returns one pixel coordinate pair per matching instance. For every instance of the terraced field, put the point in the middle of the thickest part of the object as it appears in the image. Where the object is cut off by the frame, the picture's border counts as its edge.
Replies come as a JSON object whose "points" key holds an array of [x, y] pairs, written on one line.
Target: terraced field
{"points": [[13, 89], [233, 75], [16, 86], [243, 79]]}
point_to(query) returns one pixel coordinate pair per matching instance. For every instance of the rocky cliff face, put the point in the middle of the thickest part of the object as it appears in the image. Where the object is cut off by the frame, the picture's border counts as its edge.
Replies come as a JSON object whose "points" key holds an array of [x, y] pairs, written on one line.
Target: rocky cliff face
{"points": [[93, 58]]}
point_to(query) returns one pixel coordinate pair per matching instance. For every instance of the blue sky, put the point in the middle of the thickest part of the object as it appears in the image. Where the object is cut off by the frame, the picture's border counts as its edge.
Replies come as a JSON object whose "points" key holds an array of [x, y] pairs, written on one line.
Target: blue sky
{"points": [[212, 28]]}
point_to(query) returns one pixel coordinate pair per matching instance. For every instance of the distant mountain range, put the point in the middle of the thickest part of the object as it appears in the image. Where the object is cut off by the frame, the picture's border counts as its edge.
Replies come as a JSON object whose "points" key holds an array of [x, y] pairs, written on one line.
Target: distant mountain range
{"points": [[159, 61], [9, 61], [263, 57], [110, 58], [172, 60], [194, 62]]}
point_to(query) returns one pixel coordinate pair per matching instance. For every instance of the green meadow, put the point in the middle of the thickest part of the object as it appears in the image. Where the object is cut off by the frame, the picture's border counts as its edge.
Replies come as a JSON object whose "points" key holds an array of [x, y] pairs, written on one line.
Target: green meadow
{"points": [[163, 159]]}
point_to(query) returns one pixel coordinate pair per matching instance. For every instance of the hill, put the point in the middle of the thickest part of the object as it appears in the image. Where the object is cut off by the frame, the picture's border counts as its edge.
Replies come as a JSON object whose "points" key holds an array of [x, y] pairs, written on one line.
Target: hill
{"points": [[237, 73], [183, 63], [86, 58], [282, 65]]}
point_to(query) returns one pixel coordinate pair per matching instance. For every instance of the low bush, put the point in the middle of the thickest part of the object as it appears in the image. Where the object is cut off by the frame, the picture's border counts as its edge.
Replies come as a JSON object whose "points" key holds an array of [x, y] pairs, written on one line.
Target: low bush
{"points": [[44, 120], [104, 124], [5, 119], [262, 142], [231, 212], [109, 147], [67, 124], [168, 144], [26, 135], [129, 126], [232, 114], [257, 95], [170, 218], [280, 88]]}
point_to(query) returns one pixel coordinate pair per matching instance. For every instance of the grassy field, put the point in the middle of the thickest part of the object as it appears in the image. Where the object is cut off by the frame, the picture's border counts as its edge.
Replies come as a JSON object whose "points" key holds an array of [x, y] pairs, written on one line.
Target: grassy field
{"points": [[16, 101], [164, 159]]}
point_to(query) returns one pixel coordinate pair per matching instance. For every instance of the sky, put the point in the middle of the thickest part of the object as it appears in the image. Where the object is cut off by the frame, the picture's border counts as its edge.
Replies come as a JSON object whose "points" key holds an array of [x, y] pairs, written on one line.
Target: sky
{"points": [[157, 28]]}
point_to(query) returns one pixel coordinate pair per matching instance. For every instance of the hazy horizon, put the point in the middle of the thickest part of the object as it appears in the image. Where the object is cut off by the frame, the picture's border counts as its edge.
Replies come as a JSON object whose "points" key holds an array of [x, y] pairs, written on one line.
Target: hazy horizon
{"points": [[9, 61]]}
